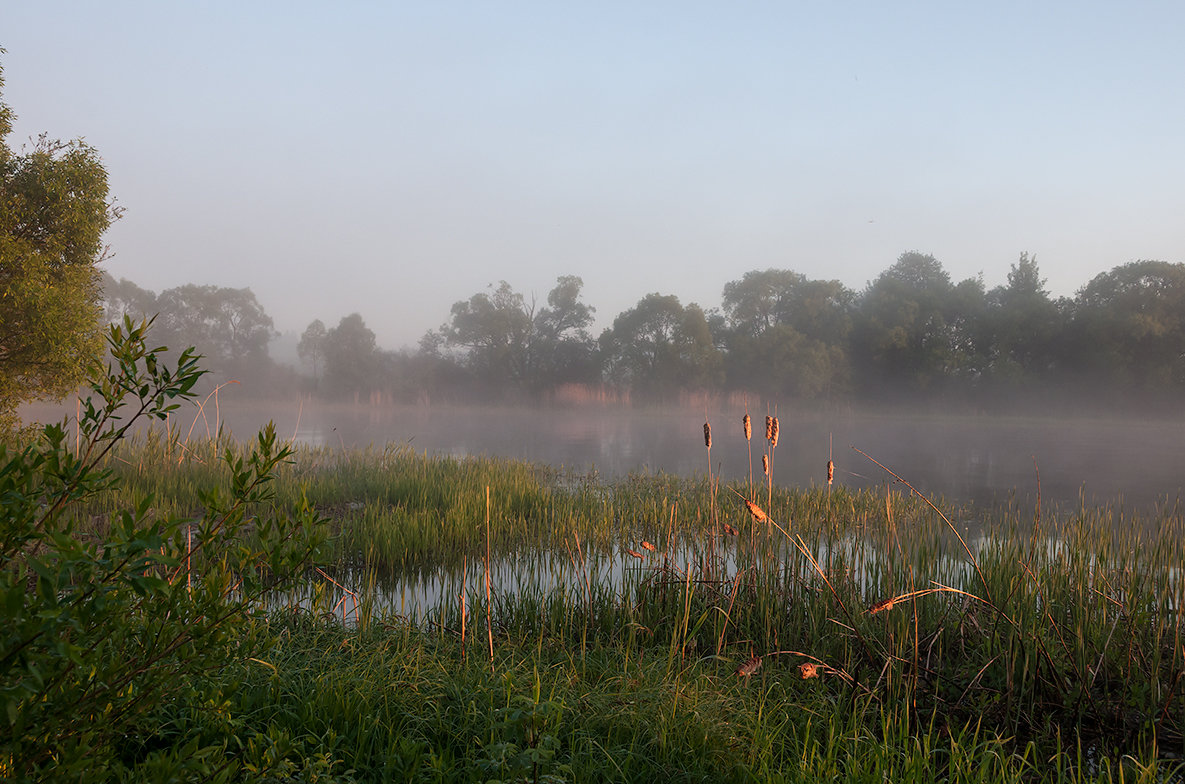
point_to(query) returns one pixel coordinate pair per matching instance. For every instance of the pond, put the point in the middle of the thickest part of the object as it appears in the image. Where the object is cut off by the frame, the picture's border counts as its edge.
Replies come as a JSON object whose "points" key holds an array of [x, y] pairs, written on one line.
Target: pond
{"points": [[1138, 463], [985, 460]]}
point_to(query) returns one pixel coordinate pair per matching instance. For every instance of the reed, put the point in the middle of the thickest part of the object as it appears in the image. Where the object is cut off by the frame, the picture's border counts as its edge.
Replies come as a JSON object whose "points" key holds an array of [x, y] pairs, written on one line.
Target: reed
{"points": [[1021, 652]]}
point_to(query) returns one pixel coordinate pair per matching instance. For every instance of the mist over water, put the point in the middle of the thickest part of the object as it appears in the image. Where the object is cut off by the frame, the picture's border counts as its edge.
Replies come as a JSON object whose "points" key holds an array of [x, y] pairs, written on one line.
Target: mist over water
{"points": [[982, 459], [987, 460]]}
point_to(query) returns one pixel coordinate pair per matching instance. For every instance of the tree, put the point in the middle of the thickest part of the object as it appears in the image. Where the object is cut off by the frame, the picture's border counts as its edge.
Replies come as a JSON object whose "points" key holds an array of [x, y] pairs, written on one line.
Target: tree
{"points": [[658, 348], [497, 330], [509, 345], [352, 362], [124, 298], [1129, 325], [53, 213], [904, 336], [787, 335], [564, 350], [311, 348], [228, 326], [1022, 325]]}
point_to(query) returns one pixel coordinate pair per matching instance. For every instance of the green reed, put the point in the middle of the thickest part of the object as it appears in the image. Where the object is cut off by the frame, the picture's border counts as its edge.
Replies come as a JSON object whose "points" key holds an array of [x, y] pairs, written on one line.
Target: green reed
{"points": [[1041, 646]]}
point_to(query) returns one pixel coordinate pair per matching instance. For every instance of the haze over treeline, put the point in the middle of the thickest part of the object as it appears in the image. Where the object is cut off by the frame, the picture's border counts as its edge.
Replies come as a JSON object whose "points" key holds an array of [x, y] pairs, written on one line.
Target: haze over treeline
{"points": [[912, 334]]}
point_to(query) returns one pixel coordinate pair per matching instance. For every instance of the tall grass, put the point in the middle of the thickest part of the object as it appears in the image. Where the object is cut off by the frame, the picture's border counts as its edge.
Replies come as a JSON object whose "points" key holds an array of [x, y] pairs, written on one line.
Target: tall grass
{"points": [[894, 636]]}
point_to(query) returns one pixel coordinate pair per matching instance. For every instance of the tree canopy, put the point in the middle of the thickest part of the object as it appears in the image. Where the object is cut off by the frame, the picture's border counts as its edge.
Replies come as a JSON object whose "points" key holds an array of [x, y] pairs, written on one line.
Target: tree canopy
{"points": [[53, 212]]}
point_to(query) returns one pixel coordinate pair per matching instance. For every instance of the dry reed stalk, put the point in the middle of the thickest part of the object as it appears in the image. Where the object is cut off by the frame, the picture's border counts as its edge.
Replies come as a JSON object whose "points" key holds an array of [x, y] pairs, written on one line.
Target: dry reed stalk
{"points": [[747, 425], [201, 413], [974, 563], [489, 623], [346, 592], [748, 667], [888, 604]]}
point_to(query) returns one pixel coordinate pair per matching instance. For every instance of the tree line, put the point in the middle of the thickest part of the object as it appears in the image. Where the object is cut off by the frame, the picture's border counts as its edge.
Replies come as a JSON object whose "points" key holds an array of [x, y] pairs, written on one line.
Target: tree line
{"points": [[912, 334]]}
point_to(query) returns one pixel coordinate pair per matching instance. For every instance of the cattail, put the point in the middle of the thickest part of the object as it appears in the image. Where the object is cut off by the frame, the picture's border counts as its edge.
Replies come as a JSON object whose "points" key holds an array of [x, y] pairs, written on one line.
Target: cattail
{"points": [[769, 427], [830, 472], [748, 428], [647, 546], [755, 511], [882, 606], [749, 666], [808, 670], [635, 554], [773, 432], [765, 464], [707, 435], [728, 529]]}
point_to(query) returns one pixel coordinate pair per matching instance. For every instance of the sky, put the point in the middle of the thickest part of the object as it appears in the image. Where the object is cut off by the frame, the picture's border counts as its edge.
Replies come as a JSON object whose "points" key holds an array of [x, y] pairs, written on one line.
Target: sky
{"points": [[392, 158]]}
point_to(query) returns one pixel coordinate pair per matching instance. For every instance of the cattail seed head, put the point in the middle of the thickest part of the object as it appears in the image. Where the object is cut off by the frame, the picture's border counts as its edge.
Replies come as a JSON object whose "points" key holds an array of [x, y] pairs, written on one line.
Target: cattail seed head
{"points": [[765, 464], [773, 433], [769, 427], [707, 435], [830, 472], [748, 667], [756, 512], [748, 428]]}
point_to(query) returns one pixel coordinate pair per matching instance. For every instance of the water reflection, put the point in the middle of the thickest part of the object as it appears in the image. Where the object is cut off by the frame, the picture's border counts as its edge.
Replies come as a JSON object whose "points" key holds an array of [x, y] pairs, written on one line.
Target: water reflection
{"points": [[979, 459], [984, 460]]}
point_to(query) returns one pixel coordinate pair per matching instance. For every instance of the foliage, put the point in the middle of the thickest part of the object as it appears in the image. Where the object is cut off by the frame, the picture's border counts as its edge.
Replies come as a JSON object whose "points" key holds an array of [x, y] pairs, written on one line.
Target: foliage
{"points": [[53, 212], [1131, 322], [352, 360], [659, 348], [510, 345], [105, 625], [228, 326], [311, 348]]}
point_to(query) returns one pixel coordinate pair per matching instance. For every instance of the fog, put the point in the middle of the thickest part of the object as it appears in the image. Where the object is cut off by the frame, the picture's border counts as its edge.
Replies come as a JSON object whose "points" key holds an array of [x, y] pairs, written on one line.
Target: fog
{"points": [[388, 158], [1136, 464]]}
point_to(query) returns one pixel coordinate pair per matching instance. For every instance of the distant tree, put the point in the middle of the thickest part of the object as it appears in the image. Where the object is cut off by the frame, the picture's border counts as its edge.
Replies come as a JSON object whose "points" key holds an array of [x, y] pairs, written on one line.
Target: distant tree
{"points": [[311, 347], [787, 335], [353, 365], [497, 330], [227, 326], [124, 298], [564, 350], [659, 348], [904, 337], [53, 213], [1129, 326], [1023, 325], [508, 344]]}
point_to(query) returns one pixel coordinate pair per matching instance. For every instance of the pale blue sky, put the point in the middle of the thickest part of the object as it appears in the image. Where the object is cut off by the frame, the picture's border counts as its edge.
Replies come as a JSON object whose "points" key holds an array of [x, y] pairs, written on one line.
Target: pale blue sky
{"points": [[392, 158]]}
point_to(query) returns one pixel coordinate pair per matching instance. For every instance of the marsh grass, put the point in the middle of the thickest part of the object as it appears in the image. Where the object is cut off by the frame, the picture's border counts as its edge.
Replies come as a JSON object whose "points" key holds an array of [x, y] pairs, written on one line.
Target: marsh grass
{"points": [[897, 636]]}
